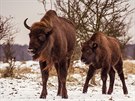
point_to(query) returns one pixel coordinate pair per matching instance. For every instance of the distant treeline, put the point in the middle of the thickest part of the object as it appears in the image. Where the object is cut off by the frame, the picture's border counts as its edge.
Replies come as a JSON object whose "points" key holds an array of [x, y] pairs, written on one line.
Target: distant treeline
{"points": [[129, 51], [21, 53]]}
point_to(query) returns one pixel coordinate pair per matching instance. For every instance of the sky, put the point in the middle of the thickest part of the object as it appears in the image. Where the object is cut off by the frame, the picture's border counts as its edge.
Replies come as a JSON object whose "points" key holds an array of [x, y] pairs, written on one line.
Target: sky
{"points": [[32, 9], [20, 10]]}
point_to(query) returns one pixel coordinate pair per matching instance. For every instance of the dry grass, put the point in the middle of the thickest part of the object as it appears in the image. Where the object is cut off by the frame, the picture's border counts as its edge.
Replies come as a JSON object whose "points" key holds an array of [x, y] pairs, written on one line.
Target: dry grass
{"points": [[71, 70], [2, 72], [129, 67], [23, 70], [18, 72]]}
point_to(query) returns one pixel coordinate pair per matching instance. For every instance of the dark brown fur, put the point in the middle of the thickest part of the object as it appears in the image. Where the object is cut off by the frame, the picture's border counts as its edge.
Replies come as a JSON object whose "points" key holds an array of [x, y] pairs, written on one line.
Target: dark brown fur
{"points": [[102, 51], [52, 41]]}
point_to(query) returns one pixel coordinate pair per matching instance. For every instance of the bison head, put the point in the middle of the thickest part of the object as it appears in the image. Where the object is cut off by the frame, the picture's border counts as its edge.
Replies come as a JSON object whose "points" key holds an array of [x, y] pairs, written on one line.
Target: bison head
{"points": [[39, 34], [89, 52]]}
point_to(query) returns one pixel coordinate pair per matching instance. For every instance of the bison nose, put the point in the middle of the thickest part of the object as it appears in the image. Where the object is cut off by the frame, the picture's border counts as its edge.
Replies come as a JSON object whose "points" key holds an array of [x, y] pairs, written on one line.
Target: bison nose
{"points": [[30, 50]]}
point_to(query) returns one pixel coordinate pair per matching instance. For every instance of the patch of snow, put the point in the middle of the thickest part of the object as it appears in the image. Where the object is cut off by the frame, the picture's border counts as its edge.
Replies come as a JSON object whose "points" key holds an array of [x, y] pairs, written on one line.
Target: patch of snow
{"points": [[130, 61], [79, 64], [29, 89], [3, 65], [18, 64]]}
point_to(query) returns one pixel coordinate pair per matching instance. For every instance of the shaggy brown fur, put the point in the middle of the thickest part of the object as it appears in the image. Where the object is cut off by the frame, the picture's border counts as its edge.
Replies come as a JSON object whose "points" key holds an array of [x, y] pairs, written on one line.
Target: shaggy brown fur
{"points": [[102, 51], [52, 42]]}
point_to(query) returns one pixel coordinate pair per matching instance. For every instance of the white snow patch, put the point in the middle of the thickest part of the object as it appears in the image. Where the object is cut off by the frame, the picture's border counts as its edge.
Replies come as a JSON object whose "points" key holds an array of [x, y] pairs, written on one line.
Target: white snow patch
{"points": [[130, 61], [29, 89], [79, 64]]}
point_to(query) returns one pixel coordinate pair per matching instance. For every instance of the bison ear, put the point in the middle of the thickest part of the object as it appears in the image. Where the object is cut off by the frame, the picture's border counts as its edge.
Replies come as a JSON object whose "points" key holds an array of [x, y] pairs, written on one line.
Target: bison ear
{"points": [[94, 45]]}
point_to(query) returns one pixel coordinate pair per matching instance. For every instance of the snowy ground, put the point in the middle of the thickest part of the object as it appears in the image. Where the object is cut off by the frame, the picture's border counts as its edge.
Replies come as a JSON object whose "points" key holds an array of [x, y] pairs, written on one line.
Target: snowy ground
{"points": [[28, 88]]}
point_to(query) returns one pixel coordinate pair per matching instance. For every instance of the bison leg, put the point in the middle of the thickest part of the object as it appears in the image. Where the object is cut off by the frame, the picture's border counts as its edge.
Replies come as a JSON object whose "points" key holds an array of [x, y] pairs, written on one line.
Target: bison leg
{"points": [[90, 74], [112, 78], [59, 83], [119, 68], [45, 75], [63, 75], [104, 77]]}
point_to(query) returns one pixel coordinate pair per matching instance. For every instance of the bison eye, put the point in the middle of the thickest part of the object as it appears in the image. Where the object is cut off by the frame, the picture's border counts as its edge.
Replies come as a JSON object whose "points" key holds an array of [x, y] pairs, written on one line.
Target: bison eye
{"points": [[94, 45], [41, 37], [88, 51]]}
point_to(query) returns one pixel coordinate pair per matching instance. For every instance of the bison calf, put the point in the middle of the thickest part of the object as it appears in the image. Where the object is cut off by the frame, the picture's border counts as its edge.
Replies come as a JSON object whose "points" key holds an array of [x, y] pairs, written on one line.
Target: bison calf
{"points": [[102, 51], [52, 42]]}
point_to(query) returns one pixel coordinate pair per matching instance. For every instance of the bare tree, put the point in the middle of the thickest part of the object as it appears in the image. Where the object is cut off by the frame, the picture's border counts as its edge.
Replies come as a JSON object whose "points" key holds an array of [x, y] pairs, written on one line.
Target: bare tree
{"points": [[9, 57], [90, 16], [5, 26], [8, 50], [44, 3], [7, 31]]}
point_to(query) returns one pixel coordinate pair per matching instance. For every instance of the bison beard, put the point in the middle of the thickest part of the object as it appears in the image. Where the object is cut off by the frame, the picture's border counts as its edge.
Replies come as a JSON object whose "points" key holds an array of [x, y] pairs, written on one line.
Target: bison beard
{"points": [[103, 52], [52, 42]]}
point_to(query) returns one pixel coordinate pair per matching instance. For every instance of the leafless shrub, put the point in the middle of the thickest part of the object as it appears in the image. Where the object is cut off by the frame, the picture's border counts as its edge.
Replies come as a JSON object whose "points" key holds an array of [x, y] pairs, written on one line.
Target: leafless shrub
{"points": [[7, 31]]}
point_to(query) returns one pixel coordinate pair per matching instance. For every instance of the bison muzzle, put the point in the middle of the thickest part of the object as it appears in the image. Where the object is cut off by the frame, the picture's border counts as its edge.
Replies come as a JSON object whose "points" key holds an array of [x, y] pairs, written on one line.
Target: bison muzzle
{"points": [[52, 41], [102, 51]]}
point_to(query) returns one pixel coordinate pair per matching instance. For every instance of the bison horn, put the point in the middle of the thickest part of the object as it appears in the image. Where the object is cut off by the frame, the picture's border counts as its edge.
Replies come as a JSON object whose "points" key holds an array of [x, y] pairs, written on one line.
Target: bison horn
{"points": [[25, 24]]}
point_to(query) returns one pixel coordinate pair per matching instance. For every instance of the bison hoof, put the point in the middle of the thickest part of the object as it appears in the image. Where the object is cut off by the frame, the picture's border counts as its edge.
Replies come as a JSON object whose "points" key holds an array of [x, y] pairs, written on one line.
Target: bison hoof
{"points": [[42, 97], [103, 92], [84, 90], [125, 92], [110, 91], [65, 97]]}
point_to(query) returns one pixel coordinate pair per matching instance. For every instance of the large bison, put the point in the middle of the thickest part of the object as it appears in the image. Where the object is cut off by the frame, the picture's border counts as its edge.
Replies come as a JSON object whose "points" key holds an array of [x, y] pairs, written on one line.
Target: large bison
{"points": [[102, 51], [52, 41]]}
